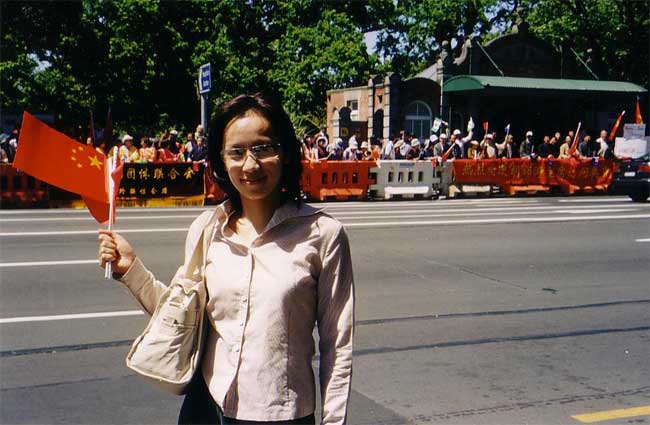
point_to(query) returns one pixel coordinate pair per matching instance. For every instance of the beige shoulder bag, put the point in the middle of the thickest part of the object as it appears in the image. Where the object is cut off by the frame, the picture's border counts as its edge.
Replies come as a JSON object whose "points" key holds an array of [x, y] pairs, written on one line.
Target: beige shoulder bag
{"points": [[168, 352]]}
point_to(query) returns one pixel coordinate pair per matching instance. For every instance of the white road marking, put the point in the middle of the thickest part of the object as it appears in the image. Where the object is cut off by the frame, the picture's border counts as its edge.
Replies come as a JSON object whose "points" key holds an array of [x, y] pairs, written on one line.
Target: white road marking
{"points": [[480, 213], [643, 240], [497, 220], [85, 211], [575, 211], [149, 217], [94, 232], [71, 316], [608, 199], [48, 263]]}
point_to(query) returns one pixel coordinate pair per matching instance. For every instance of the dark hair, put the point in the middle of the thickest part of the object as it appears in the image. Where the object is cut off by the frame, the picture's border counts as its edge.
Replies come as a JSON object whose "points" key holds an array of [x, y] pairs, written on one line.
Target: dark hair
{"points": [[270, 108]]}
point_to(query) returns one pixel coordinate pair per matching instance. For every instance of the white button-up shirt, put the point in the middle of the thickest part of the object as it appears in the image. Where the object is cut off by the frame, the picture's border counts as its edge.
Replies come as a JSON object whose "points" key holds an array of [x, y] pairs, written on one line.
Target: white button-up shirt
{"points": [[263, 303]]}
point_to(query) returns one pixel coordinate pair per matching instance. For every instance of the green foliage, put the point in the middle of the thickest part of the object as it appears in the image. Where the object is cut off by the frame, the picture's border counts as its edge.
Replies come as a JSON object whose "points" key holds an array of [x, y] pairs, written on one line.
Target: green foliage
{"points": [[141, 57]]}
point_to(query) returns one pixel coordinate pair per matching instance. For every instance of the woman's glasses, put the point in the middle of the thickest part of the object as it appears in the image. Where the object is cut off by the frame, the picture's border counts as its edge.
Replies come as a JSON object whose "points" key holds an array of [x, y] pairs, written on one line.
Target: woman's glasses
{"points": [[259, 152]]}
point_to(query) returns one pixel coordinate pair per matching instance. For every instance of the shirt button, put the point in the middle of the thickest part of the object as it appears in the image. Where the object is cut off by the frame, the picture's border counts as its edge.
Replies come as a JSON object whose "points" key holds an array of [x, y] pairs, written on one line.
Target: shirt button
{"points": [[236, 349]]}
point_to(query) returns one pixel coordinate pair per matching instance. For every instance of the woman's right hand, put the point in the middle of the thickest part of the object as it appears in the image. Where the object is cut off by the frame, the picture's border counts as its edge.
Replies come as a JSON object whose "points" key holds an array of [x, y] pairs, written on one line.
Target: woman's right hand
{"points": [[113, 248]]}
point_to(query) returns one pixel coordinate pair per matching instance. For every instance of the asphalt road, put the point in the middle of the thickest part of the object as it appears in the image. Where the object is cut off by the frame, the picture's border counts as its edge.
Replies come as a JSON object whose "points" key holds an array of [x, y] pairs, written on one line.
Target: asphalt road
{"points": [[477, 311]]}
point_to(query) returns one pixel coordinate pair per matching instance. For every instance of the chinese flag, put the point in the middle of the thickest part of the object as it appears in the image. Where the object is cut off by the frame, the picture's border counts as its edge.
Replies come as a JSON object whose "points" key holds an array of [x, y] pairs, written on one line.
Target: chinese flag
{"points": [[612, 134], [55, 158], [486, 125], [638, 118]]}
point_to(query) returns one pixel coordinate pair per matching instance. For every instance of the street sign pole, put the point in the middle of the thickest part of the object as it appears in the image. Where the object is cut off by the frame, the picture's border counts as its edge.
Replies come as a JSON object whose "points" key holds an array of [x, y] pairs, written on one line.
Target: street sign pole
{"points": [[205, 84]]}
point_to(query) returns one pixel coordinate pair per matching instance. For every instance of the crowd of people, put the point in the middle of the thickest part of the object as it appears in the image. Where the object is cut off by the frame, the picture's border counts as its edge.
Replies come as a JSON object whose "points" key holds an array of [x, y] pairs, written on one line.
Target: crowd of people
{"points": [[454, 145], [171, 147]]}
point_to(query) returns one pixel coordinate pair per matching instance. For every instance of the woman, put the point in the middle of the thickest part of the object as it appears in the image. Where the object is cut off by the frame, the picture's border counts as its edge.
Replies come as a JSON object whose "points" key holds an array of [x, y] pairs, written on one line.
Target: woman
{"points": [[275, 267]]}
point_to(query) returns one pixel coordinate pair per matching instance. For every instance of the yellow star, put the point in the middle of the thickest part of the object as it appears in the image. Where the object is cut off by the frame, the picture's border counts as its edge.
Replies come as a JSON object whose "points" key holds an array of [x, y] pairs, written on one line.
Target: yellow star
{"points": [[95, 162]]}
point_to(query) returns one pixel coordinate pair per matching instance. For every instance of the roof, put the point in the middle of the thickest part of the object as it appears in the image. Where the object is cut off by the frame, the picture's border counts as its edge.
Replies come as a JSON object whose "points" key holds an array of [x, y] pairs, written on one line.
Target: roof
{"points": [[480, 82]]}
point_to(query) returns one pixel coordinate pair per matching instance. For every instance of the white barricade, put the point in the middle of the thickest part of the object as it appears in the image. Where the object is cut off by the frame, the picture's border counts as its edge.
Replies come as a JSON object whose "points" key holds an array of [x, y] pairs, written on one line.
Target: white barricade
{"points": [[402, 179], [443, 177]]}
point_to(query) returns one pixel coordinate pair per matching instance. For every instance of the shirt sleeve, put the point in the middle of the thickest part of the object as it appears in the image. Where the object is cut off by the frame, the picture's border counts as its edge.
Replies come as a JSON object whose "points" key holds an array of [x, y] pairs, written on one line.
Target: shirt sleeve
{"points": [[143, 285], [335, 328]]}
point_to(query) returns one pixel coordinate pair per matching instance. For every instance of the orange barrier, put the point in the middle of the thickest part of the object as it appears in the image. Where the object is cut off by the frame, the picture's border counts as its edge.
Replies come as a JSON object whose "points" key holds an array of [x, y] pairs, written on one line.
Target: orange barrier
{"points": [[337, 180], [523, 174], [20, 190]]}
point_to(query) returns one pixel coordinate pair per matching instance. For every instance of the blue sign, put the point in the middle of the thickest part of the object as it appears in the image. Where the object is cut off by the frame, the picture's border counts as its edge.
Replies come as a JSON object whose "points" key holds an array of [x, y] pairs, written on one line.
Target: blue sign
{"points": [[205, 81]]}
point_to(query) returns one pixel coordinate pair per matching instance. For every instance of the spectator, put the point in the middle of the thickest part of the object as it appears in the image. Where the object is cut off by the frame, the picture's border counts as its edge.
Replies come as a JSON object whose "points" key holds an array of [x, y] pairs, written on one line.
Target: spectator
{"points": [[588, 148], [334, 152], [323, 134], [414, 152], [406, 146], [321, 147], [190, 143], [147, 150], [168, 152], [527, 148], [4, 148], [397, 148], [427, 152], [365, 153], [564, 149], [388, 151], [200, 151], [607, 152], [473, 150], [13, 144], [545, 150], [351, 153], [199, 132], [602, 140], [128, 152], [488, 151], [355, 138], [441, 147], [100, 146], [507, 148]]}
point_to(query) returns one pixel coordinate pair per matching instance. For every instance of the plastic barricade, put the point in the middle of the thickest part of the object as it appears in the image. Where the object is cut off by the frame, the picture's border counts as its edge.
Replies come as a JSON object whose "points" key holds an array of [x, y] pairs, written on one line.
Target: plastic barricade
{"points": [[20, 190], [336, 180], [403, 179]]}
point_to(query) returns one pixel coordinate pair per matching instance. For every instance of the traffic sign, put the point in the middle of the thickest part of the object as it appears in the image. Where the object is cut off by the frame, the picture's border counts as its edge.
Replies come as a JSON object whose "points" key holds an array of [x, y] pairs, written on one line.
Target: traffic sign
{"points": [[205, 80]]}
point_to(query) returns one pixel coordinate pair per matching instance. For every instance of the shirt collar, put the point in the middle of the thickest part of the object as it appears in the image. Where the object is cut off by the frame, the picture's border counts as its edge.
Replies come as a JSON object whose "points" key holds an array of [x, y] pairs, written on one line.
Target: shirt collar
{"points": [[287, 211]]}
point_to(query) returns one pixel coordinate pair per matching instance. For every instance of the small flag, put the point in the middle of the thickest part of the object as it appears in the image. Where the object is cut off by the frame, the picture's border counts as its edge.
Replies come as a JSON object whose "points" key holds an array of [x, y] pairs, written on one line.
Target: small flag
{"points": [[486, 125], [55, 158], [507, 129], [470, 125], [436, 125], [612, 134], [638, 118], [574, 145]]}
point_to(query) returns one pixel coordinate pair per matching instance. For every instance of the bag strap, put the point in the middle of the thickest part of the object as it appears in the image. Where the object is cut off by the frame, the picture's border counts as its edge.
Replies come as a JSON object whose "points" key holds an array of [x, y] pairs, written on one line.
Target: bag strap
{"points": [[197, 260]]}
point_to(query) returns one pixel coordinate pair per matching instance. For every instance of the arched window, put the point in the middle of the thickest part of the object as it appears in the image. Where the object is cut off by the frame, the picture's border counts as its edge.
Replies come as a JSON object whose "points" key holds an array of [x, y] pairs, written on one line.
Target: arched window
{"points": [[418, 119]]}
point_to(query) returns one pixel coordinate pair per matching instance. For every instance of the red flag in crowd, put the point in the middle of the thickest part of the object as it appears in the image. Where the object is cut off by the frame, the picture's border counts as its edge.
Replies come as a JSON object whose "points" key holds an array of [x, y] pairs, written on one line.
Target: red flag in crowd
{"points": [[55, 158], [486, 125], [638, 118], [612, 134], [574, 145]]}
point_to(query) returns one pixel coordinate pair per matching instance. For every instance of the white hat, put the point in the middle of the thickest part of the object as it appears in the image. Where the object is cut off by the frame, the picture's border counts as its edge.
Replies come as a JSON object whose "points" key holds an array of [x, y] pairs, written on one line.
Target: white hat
{"points": [[433, 138], [354, 145], [489, 136], [127, 137], [173, 132], [364, 144], [529, 133], [415, 142], [443, 136], [457, 132]]}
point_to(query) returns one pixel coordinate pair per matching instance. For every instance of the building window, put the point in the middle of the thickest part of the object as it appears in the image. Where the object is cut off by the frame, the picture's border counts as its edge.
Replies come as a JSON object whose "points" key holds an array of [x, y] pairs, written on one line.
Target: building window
{"points": [[354, 108], [418, 120]]}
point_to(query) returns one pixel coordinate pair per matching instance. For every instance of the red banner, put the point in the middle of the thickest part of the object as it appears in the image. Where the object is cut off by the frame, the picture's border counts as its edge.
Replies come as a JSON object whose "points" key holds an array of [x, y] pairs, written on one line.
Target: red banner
{"points": [[585, 172]]}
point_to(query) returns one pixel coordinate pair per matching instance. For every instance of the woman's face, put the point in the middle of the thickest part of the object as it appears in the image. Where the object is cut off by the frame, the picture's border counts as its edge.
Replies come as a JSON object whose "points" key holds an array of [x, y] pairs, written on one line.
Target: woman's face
{"points": [[254, 178]]}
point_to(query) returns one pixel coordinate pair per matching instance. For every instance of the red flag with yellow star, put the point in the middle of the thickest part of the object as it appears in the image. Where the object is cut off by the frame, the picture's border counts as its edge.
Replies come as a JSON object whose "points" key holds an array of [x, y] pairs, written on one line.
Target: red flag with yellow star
{"points": [[55, 158]]}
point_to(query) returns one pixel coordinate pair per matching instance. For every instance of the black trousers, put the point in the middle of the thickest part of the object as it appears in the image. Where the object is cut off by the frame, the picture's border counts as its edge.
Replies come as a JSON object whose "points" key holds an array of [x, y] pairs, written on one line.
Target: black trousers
{"points": [[199, 408]]}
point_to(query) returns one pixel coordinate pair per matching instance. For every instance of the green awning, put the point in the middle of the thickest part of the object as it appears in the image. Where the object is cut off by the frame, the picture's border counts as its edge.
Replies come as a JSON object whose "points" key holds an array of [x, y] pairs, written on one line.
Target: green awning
{"points": [[462, 83]]}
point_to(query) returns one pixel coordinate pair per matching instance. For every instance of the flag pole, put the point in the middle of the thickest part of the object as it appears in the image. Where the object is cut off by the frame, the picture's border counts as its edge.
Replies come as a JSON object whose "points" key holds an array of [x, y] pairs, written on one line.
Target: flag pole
{"points": [[112, 163]]}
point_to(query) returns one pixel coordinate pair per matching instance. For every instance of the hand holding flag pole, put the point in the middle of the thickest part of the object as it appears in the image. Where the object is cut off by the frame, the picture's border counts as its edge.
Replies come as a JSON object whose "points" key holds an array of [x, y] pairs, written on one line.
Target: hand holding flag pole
{"points": [[111, 163]]}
